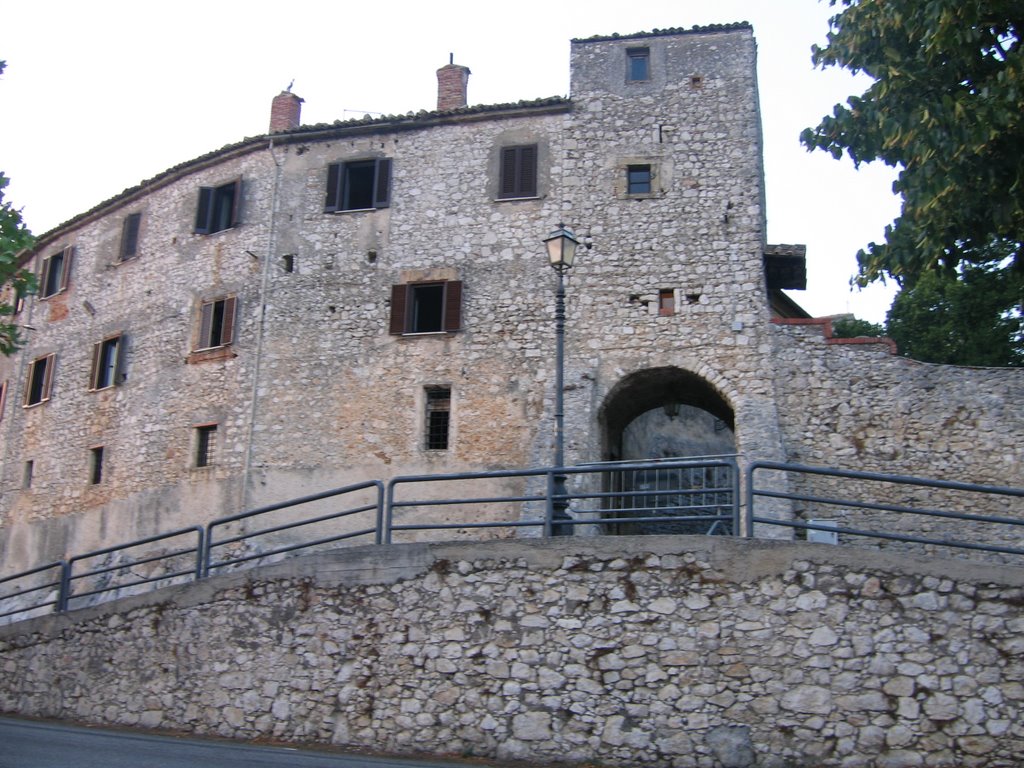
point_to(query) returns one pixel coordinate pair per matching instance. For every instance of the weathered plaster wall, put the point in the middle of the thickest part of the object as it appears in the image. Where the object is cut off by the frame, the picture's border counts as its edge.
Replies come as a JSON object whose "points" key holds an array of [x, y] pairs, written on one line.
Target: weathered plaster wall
{"points": [[660, 651]]}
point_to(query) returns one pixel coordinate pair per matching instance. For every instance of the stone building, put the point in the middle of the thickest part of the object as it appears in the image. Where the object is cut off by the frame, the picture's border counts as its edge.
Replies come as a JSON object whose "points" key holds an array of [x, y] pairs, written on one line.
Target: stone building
{"points": [[325, 304]]}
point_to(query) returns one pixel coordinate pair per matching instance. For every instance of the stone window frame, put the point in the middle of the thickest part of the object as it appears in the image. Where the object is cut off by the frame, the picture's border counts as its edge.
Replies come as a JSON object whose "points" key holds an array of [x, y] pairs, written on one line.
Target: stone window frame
{"points": [[636, 57], [622, 175]]}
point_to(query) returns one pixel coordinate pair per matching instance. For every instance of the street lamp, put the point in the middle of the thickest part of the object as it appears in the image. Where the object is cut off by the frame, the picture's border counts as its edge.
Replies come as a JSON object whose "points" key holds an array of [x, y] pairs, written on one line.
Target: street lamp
{"points": [[561, 245]]}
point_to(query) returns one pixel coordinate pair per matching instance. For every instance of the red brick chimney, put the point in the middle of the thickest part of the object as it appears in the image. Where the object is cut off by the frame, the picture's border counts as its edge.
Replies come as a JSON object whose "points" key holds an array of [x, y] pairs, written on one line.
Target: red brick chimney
{"points": [[285, 111], [451, 85]]}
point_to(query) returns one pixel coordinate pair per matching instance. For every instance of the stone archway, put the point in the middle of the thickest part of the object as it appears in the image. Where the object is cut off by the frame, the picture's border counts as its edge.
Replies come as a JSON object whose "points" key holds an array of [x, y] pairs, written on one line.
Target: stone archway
{"points": [[663, 413]]}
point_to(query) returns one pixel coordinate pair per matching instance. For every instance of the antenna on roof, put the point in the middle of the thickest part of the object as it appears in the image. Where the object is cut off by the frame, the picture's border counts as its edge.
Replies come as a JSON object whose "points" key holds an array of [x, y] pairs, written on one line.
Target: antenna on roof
{"points": [[289, 88], [451, 58]]}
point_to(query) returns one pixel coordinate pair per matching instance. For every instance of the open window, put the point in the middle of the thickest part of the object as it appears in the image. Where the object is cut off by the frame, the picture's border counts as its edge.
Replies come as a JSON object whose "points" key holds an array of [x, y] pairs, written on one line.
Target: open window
{"points": [[106, 362], [358, 185], [428, 307], [218, 207], [216, 323], [53, 277], [39, 384]]}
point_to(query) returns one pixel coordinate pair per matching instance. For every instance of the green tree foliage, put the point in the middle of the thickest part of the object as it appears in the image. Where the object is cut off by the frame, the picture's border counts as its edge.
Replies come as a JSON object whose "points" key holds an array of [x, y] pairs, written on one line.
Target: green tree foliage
{"points": [[852, 327], [14, 238], [968, 319], [947, 108]]}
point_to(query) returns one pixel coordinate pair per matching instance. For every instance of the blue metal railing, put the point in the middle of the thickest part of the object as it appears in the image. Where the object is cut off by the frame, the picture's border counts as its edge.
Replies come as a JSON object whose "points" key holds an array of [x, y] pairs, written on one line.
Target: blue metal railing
{"points": [[376, 507], [666, 496], [844, 509]]}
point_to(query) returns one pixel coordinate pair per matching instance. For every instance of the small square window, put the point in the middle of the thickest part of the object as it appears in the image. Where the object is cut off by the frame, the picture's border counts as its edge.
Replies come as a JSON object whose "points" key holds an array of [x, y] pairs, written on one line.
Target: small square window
{"points": [[106, 362], [638, 64], [638, 179], [358, 186], [218, 208], [206, 441], [130, 237], [438, 413], [666, 302], [96, 465], [55, 273]]}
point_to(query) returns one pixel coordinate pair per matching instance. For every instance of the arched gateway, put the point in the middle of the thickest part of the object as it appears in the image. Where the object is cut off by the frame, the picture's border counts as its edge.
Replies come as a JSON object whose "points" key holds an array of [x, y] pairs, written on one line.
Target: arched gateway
{"points": [[667, 413]]}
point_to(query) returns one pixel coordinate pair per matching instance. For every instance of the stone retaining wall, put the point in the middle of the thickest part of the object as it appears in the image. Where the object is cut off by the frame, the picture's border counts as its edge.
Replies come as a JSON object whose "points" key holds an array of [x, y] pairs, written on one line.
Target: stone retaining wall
{"points": [[655, 651]]}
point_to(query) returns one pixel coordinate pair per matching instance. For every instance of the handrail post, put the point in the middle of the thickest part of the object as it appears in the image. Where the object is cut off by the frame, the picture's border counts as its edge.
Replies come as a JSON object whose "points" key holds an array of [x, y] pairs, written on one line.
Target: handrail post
{"points": [[378, 534], [64, 590], [549, 504], [750, 499], [200, 553], [384, 532]]}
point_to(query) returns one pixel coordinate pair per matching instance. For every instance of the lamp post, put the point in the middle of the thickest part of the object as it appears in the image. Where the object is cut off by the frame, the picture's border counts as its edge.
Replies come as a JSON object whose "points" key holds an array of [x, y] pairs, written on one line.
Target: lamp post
{"points": [[561, 245]]}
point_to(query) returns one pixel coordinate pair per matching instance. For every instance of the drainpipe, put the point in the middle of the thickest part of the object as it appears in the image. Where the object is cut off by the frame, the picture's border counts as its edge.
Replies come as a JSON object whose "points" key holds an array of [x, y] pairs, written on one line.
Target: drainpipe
{"points": [[258, 354]]}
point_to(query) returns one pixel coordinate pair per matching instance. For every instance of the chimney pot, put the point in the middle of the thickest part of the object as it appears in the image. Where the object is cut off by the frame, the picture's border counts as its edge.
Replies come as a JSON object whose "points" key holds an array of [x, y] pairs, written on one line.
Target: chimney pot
{"points": [[452, 80], [285, 111]]}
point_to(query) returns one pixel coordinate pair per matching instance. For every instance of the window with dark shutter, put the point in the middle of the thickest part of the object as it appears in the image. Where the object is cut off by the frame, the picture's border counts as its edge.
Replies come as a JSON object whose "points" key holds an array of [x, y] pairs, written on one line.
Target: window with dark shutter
{"points": [[106, 362], [40, 380], [218, 208], [358, 186], [130, 237], [217, 323], [518, 172], [56, 270], [426, 307]]}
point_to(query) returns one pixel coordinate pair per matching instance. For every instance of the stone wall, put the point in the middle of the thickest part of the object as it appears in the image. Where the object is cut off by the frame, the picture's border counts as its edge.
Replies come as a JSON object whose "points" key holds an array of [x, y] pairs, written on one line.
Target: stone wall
{"points": [[659, 651], [857, 406]]}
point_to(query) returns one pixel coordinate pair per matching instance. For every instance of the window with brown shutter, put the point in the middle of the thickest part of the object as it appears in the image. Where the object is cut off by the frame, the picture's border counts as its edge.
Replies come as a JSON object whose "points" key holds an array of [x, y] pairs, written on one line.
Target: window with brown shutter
{"points": [[40, 380], [358, 185], [218, 207], [53, 278], [217, 323], [429, 307], [106, 362], [518, 172]]}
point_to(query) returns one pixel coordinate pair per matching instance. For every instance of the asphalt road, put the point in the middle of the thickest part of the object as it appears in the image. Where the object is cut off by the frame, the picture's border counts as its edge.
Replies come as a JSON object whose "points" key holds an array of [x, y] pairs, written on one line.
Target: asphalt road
{"points": [[34, 744]]}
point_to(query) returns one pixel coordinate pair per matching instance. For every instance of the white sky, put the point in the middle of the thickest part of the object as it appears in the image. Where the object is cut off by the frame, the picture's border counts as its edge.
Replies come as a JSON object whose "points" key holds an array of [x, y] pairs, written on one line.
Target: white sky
{"points": [[100, 95]]}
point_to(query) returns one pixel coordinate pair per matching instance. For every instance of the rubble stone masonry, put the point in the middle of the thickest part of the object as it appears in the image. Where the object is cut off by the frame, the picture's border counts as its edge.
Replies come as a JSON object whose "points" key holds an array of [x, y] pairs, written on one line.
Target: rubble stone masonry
{"points": [[658, 651]]}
